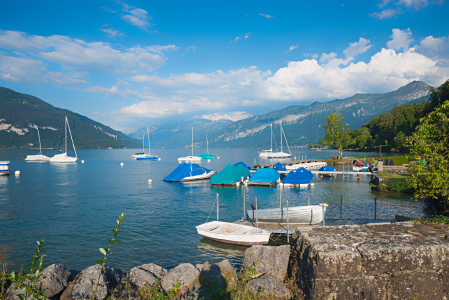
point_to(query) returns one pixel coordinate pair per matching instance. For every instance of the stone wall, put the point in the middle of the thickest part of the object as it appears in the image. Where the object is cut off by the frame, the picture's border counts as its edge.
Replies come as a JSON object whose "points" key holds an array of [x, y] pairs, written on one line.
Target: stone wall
{"points": [[375, 261]]}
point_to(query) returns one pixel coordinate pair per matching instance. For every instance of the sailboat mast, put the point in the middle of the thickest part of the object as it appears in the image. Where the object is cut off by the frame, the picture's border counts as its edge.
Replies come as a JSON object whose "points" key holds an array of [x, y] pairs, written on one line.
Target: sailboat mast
{"points": [[207, 143], [281, 136], [66, 122], [40, 147], [143, 143], [192, 141], [271, 136], [149, 142]]}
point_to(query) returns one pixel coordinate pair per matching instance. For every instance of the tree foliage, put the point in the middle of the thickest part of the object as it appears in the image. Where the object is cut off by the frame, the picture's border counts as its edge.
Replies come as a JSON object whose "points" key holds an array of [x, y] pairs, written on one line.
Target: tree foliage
{"points": [[439, 95], [337, 132], [430, 170]]}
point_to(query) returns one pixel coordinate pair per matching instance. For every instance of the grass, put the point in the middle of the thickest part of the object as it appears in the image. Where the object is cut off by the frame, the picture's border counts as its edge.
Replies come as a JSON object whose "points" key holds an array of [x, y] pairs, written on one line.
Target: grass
{"points": [[398, 160], [387, 175], [435, 220]]}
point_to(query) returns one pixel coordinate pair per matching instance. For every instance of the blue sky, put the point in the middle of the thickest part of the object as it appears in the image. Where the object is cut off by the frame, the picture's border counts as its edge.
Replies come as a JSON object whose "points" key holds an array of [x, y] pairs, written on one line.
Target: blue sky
{"points": [[134, 63]]}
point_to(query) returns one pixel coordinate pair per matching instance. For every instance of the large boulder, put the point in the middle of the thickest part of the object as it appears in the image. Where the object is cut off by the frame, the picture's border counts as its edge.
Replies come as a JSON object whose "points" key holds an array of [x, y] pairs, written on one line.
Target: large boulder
{"points": [[84, 284], [53, 280], [138, 278], [269, 284], [221, 274], [267, 260], [186, 274]]}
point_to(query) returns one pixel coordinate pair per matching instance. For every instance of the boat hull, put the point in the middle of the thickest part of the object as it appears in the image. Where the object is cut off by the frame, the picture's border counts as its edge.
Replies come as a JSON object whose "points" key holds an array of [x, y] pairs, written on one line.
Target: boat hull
{"points": [[4, 173], [312, 214], [233, 233], [146, 158], [4, 168], [37, 157], [199, 177], [189, 159], [279, 155], [63, 158]]}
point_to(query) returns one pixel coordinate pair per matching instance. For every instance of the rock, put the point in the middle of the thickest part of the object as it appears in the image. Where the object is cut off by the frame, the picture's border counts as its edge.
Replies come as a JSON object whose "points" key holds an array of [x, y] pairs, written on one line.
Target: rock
{"points": [[140, 277], [199, 266], [73, 274], [114, 276], [269, 284], [126, 290], [53, 281], [221, 274], [193, 293], [185, 273], [268, 259], [82, 287], [155, 269]]}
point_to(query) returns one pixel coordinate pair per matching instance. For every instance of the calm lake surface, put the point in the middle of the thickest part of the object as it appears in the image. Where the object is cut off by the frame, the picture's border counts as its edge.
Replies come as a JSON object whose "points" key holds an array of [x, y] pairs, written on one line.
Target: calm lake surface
{"points": [[74, 206]]}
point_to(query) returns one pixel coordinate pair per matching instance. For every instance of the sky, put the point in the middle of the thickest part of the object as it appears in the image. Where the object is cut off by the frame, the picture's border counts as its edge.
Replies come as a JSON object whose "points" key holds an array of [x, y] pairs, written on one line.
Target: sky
{"points": [[133, 63]]}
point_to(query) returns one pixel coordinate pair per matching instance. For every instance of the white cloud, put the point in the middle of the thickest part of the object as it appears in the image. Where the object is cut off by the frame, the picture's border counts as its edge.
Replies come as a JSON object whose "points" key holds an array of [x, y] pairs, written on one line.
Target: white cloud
{"points": [[193, 47], [235, 116], [400, 39], [137, 17], [291, 48], [81, 56], [387, 13], [357, 48], [395, 9], [108, 9], [266, 16], [327, 57], [246, 35], [112, 32], [416, 4]]}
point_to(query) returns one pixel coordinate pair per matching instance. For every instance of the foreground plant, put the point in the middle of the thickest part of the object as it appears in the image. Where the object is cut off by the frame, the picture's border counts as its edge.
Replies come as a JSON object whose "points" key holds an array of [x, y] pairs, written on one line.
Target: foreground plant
{"points": [[4, 269], [107, 250], [25, 282]]}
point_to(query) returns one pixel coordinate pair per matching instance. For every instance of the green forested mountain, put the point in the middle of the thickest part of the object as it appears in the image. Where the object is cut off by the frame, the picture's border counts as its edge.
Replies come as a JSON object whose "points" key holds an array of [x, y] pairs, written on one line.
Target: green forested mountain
{"points": [[303, 124], [20, 114]]}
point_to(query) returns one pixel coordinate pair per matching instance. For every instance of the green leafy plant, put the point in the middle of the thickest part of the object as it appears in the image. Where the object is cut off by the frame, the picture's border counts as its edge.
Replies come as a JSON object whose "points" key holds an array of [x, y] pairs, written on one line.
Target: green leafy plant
{"points": [[4, 269], [25, 282], [107, 251], [154, 292]]}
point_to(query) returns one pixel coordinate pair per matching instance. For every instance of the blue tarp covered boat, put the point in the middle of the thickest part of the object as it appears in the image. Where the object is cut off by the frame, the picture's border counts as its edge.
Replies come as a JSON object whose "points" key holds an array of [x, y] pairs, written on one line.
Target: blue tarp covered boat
{"points": [[264, 176], [300, 177], [230, 175], [279, 167], [189, 172], [327, 171], [243, 164]]}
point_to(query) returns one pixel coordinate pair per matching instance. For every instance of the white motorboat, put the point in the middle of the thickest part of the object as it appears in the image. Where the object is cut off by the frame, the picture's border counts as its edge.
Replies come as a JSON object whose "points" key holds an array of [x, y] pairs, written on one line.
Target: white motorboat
{"points": [[191, 158], [64, 158], [311, 214], [143, 155], [38, 157], [281, 154], [4, 168], [233, 233]]}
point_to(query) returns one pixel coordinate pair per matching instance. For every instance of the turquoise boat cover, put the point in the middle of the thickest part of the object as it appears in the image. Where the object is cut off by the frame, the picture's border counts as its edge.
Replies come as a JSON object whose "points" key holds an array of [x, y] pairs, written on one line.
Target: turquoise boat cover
{"points": [[299, 176], [279, 167], [230, 175], [186, 170], [206, 156], [327, 169], [265, 175], [243, 164]]}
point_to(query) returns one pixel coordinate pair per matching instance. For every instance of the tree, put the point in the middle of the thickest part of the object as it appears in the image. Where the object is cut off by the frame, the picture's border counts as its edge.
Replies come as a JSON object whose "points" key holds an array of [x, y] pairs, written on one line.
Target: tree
{"points": [[400, 141], [310, 145], [430, 148], [439, 95], [337, 132]]}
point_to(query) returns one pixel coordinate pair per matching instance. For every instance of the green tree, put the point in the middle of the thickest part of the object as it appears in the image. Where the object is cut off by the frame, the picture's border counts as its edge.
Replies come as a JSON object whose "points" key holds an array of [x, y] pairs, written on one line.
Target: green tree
{"points": [[429, 172], [310, 145], [400, 141], [439, 95], [337, 132]]}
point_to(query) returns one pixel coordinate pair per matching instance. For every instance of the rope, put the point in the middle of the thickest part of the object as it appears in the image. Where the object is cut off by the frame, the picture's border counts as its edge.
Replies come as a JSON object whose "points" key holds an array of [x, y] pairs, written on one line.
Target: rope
{"points": [[211, 211]]}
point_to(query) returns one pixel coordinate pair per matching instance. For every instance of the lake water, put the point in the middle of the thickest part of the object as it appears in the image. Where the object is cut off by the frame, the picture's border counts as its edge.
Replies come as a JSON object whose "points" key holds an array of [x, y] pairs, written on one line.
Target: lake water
{"points": [[74, 206]]}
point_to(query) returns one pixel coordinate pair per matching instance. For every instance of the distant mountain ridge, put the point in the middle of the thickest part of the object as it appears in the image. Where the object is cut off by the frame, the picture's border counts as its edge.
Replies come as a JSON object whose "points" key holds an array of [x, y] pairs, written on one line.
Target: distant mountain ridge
{"points": [[20, 114], [302, 124]]}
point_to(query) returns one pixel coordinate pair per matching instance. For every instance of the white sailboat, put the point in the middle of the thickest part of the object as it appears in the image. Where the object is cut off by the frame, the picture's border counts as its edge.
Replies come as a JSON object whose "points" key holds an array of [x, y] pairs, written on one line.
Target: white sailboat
{"points": [[191, 158], [143, 155], [38, 157], [281, 154], [266, 153], [208, 155], [64, 158]]}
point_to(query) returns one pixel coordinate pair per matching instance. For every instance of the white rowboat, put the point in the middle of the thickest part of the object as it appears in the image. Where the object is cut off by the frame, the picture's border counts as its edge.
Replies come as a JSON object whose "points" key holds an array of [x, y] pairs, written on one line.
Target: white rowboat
{"points": [[311, 214], [233, 233]]}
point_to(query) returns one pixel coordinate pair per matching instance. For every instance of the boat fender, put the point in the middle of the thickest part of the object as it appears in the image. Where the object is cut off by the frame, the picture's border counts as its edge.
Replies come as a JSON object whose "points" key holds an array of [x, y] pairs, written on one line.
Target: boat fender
{"points": [[17, 173], [312, 184], [253, 205]]}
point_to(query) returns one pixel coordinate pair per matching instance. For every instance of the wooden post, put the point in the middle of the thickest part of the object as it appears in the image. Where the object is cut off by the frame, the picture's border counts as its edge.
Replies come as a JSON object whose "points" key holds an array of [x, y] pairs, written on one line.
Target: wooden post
{"points": [[257, 222], [218, 206]]}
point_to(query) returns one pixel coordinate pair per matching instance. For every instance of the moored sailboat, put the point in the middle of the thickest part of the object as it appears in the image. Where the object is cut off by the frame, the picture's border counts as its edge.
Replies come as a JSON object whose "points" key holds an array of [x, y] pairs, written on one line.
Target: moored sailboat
{"points": [[191, 158], [38, 157], [64, 158]]}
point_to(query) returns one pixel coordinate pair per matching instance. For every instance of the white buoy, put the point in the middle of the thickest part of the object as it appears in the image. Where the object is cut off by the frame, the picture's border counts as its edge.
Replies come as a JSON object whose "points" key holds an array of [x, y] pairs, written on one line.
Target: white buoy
{"points": [[208, 160], [159, 158], [17, 172], [237, 183], [121, 164], [218, 157], [82, 161], [150, 181], [312, 184]]}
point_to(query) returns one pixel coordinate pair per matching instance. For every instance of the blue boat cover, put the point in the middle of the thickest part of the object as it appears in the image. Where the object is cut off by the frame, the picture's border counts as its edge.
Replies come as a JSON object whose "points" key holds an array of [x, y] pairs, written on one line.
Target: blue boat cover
{"points": [[299, 176], [243, 164], [186, 170], [230, 175], [327, 169], [279, 167], [264, 175]]}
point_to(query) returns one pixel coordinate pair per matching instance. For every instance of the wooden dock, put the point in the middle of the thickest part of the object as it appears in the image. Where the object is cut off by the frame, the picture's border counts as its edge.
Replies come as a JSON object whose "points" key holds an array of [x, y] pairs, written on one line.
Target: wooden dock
{"points": [[282, 227]]}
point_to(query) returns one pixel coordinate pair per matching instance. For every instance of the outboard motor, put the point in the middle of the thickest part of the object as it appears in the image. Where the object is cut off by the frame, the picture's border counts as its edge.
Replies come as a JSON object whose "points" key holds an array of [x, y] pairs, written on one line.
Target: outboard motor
{"points": [[253, 206]]}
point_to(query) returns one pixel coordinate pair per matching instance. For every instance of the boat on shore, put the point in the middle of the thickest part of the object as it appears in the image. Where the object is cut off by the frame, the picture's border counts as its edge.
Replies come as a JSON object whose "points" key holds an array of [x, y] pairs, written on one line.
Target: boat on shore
{"points": [[191, 158], [64, 158], [189, 172], [4, 168], [264, 177], [232, 233], [310, 214], [38, 157]]}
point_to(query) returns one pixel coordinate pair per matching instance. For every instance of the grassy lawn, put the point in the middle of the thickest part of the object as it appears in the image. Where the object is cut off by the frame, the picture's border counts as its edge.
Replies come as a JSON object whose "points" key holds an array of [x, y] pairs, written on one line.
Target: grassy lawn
{"points": [[386, 175]]}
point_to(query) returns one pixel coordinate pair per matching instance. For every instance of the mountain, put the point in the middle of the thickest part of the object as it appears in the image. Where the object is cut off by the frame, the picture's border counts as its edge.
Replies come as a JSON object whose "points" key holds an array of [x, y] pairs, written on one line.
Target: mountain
{"points": [[20, 114], [179, 134], [302, 124]]}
